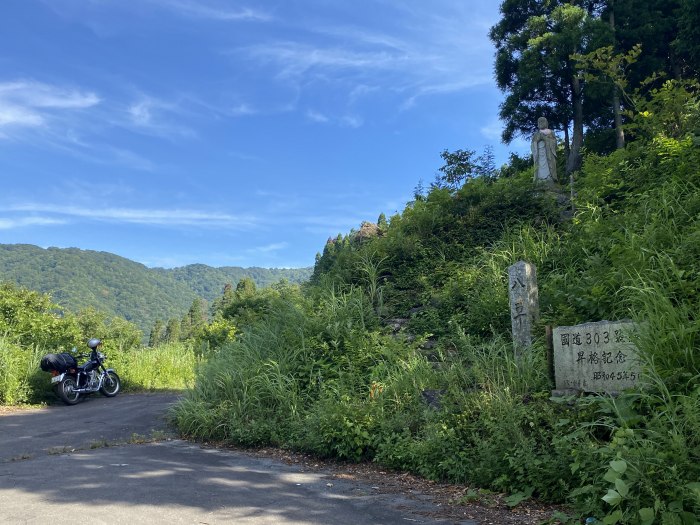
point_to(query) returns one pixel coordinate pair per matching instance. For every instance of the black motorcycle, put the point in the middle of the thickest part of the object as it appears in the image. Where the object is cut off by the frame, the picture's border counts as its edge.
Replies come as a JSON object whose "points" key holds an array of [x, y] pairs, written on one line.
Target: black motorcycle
{"points": [[70, 381]]}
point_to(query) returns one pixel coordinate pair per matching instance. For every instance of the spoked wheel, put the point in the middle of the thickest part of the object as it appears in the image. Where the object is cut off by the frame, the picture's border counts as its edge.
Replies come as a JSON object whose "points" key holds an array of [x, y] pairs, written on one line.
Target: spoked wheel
{"points": [[110, 384], [68, 391]]}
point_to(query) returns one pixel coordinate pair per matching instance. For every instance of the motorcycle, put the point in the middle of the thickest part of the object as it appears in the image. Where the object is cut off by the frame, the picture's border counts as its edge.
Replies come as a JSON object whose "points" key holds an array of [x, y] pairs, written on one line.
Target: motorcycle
{"points": [[70, 381]]}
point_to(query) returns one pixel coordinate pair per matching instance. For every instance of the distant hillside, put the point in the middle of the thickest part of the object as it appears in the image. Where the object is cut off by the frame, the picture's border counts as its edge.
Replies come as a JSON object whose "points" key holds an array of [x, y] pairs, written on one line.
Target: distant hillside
{"points": [[79, 278], [208, 282]]}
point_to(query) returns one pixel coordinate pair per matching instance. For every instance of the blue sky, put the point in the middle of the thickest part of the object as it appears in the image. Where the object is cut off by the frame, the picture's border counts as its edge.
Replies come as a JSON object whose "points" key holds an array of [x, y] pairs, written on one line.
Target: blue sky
{"points": [[229, 133]]}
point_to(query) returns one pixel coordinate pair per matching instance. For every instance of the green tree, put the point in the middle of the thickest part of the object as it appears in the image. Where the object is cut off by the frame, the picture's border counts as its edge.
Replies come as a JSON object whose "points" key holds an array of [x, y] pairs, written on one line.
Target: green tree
{"points": [[687, 41], [194, 320], [185, 328], [382, 224], [172, 331], [534, 44], [459, 166], [245, 288], [221, 303], [198, 312], [156, 333], [92, 323], [227, 296], [116, 332], [462, 165], [29, 318], [122, 335], [653, 25]]}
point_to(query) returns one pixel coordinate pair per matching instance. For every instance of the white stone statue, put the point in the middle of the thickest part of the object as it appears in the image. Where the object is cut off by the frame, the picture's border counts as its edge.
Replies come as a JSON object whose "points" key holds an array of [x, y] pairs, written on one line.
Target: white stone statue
{"points": [[544, 152]]}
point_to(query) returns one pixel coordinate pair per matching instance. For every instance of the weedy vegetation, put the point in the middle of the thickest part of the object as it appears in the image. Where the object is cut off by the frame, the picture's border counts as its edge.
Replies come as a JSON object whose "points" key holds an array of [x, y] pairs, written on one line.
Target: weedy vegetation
{"points": [[324, 369]]}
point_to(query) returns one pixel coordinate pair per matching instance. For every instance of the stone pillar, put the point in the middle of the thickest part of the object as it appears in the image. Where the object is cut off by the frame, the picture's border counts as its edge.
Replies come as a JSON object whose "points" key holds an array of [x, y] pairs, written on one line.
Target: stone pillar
{"points": [[524, 303]]}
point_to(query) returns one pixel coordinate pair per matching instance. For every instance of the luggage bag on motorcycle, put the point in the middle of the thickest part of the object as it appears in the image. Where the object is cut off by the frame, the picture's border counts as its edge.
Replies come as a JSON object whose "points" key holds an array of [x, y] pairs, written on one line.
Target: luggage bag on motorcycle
{"points": [[59, 362]]}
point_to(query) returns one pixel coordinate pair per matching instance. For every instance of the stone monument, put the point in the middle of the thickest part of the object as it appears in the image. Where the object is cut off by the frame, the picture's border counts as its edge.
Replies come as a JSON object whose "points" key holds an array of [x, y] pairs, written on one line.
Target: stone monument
{"points": [[524, 302], [595, 357], [544, 152]]}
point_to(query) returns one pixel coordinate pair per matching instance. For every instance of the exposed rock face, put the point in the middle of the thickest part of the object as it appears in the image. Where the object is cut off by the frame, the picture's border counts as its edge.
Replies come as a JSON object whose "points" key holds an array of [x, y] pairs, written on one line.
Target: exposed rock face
{"points": [[367, 231]]}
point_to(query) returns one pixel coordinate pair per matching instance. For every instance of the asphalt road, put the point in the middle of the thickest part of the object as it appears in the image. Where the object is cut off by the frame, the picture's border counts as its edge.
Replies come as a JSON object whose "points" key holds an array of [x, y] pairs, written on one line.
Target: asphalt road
{"points": [[64, 464]]}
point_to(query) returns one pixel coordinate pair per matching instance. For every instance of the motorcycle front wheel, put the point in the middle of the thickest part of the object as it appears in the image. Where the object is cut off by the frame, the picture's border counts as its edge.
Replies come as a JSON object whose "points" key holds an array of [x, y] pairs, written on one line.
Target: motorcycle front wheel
{"points": [[67, 391], [110, 384]]}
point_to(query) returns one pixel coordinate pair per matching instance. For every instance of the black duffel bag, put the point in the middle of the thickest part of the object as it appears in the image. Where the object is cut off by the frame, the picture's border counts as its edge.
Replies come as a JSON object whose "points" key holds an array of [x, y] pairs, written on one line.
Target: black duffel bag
{"points": [[59, 362]]}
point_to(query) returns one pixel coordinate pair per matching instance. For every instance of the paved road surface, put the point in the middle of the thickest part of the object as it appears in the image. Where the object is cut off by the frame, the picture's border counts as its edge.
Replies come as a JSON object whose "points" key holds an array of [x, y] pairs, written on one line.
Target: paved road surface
{"points": [[94, 420], [55, 468]]}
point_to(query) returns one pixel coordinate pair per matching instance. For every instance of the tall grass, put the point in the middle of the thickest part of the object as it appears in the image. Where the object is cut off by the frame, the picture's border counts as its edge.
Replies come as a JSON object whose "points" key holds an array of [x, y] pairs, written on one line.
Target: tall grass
{"points": [[19, 374], [252, 386], [169, 366], [656, 430]]}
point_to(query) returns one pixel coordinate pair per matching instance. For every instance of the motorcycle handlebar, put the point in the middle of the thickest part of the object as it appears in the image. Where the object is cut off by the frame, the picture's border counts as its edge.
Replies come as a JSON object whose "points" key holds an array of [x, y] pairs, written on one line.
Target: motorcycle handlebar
{"points": [[90, 355]]}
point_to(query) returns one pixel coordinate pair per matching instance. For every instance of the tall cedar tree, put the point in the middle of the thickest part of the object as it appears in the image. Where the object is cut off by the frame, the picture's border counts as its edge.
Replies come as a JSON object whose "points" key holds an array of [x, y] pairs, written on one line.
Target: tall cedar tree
{"points": [[535, 39], [534, 42]]}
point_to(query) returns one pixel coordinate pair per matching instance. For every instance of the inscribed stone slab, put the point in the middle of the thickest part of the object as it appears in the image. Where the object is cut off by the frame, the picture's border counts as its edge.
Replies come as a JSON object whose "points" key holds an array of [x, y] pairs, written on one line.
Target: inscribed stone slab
{"points": [[595, 357]]}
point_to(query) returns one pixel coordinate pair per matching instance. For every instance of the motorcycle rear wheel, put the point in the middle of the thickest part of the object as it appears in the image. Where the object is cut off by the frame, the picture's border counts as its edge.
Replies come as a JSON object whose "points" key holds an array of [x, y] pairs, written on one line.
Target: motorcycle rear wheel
{"points": [[110, 384], [67, 391]]}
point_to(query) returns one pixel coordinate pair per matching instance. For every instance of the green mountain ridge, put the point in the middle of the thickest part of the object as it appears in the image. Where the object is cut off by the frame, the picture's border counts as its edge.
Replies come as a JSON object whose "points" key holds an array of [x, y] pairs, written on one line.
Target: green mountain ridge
{"points": [[78, 279]]}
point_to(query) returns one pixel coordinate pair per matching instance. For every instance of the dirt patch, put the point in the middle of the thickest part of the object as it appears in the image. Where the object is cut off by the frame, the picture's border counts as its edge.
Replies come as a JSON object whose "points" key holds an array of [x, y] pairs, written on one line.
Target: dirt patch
{"points": [[11, 409]]}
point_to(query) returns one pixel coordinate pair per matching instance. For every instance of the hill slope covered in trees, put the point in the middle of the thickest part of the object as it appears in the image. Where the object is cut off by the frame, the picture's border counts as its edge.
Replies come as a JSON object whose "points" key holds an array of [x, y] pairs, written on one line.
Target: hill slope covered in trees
{"points": [[77, 279]]}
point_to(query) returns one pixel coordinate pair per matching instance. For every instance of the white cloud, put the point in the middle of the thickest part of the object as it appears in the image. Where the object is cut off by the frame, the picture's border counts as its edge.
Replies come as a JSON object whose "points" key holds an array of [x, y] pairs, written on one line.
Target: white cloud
{"points": [[244, 156], [22, 222], [317, 116], [352, 121], [361, 91], [212, 11], [40, 95], [140, 113], [242, 110], [52, 116], [32, 104], [156, 217], [428, 50], [331, 224], [274, 247], [94, 152], [18, 116], [152, 116], [348, 121], [492, 130], [296, 59], [123, 157]]}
